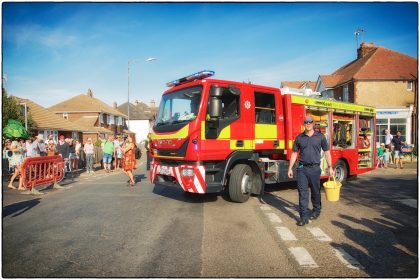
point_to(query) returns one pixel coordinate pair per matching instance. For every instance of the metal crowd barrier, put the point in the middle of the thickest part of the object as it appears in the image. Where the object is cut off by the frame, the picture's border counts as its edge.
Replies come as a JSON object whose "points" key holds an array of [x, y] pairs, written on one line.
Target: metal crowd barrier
{"points": [[37, 171]]}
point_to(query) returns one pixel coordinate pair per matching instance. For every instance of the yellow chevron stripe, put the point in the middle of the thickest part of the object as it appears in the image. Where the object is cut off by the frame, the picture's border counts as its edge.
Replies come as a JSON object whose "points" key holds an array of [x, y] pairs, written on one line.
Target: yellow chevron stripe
{"points": [[182, 133]]}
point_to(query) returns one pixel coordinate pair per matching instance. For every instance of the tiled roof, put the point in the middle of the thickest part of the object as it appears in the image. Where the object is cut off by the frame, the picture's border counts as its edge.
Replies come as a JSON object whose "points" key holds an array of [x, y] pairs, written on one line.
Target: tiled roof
{"points": [[378, 64], [84, 103], [44, 119], [299, 84], [88, 122], [388, 64], [140, 111], [330, 80]]}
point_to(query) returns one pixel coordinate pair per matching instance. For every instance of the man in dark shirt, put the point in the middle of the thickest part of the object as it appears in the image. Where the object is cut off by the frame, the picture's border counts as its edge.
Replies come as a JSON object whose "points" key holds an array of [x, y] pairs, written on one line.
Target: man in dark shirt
{"points": [[398, 142], [309, 143], [63, 148]]}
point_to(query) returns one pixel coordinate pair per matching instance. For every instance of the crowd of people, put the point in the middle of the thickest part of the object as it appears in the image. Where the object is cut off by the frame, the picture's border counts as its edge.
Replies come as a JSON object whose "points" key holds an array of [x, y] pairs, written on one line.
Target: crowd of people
{"points": [[391, 152], [119, 152]]}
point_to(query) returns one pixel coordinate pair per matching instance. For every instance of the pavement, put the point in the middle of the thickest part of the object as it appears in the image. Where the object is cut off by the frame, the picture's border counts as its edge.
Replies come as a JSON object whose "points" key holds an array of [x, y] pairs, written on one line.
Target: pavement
{"points": [[10, 196]]}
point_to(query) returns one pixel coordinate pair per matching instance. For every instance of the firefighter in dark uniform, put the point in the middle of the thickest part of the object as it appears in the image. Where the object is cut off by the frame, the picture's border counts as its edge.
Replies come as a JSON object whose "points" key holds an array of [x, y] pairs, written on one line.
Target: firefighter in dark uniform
{"points": [[309, 143]]}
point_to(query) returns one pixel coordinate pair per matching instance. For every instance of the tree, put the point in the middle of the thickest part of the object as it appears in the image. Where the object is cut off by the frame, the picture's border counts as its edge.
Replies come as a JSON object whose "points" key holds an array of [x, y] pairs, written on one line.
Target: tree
{"points": [[12, 110]]}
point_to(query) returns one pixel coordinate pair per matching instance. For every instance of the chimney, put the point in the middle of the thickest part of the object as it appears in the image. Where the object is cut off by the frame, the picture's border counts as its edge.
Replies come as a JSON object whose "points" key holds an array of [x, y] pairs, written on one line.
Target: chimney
{"points": [[152, 104], [136, 102], [89, 93], [364, 49], [114, 105]]}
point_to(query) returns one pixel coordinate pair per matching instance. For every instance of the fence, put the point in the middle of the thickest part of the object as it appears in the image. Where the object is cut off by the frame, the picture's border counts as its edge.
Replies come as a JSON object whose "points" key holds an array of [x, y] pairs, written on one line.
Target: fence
{"points": [[37, 171]]}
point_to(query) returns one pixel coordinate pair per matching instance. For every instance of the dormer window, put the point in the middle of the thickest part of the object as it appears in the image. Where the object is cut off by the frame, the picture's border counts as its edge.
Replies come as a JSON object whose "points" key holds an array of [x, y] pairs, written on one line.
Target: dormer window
{"points": [[66, 116], [346, 93]]}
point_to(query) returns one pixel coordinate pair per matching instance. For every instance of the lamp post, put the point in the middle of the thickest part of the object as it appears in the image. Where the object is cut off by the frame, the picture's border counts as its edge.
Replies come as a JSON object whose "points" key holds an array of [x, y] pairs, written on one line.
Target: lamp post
{"points": [[128, 93]]}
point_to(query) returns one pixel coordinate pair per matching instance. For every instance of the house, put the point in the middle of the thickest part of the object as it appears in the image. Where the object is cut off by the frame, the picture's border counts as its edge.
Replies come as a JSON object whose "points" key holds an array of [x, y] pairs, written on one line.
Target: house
{"points": [[141, 117], [305, 88], [98, 118], [299, 84], [46, 122], [382, 78]]}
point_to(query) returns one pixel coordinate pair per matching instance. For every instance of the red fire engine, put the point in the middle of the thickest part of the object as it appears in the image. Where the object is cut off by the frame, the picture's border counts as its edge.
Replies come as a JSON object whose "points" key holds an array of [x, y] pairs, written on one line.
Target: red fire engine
{"points": [[215, 134]]}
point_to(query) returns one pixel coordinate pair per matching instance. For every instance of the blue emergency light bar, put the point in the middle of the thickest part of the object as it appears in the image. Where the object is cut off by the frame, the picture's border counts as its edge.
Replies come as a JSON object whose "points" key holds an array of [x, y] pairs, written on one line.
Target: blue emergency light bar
{"points": [[196, 76]]}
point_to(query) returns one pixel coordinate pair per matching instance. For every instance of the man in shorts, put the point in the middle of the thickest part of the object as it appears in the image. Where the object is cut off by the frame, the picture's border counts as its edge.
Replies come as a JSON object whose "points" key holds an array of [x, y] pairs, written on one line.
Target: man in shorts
{"points": [[398, 142], [108, 149]]}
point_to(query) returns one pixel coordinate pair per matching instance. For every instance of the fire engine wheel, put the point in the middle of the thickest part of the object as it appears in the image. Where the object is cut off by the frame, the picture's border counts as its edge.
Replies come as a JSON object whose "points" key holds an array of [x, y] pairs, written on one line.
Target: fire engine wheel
{"points": [[240, 183], [340, 171]]}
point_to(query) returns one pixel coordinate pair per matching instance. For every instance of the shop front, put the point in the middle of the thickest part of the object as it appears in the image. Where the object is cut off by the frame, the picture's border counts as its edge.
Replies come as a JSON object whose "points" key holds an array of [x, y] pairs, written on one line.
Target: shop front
{"points": [[394, 119]]}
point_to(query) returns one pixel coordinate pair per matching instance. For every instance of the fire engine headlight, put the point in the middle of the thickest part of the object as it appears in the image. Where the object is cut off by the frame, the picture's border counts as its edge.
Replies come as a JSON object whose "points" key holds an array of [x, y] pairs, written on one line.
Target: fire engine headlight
{"points": [[187, 172]]}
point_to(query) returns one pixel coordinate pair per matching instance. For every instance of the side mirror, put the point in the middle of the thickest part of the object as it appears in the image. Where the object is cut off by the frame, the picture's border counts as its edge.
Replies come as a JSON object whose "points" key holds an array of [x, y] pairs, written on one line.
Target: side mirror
{"points": [[215, 106], [234, 90], [216, 91], [215, 109]]}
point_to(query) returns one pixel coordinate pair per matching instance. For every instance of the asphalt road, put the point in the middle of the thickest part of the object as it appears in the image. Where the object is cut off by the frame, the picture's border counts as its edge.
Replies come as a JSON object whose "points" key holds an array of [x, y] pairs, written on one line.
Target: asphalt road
{"points": [[100, 227]]}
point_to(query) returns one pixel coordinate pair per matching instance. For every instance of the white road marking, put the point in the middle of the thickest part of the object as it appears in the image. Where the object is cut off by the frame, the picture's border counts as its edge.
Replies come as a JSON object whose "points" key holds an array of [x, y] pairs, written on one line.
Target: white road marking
{"points": [[265, 208], [303, 257], [409, 202], [319, 234], [273, 217], [285, 234], [346, 259]]}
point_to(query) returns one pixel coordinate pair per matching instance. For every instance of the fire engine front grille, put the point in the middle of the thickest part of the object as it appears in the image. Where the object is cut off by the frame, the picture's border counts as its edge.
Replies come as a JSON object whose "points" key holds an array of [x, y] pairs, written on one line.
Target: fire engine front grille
{"points": [[174, 153]]}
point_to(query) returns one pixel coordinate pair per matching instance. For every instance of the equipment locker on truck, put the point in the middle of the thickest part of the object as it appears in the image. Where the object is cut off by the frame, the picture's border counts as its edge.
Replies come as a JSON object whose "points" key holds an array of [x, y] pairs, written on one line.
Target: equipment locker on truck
{"points": [[214, 134]]}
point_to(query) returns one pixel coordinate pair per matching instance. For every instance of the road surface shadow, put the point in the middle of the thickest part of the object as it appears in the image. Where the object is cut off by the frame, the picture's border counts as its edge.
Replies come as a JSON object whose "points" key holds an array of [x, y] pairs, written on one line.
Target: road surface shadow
{"points": [[139, 177], [20, 207], [175, 192], [385, 247]]}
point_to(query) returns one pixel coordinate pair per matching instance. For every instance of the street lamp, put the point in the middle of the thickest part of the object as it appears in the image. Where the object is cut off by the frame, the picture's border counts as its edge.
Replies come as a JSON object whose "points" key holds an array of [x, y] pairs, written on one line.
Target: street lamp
{"points": [[128, 94]]}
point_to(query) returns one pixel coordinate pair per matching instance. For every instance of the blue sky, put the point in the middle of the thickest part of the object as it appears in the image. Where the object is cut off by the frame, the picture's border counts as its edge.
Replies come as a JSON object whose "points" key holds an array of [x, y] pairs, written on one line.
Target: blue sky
{"points": [[53, 51]]}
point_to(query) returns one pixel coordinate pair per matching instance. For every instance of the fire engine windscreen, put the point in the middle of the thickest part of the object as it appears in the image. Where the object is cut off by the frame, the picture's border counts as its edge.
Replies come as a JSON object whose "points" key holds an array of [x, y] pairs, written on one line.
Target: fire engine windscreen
{"points": [[179, 107]]}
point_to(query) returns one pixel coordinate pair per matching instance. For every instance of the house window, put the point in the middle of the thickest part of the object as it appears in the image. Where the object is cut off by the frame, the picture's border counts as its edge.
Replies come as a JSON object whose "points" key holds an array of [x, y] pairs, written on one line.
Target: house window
{"points": [[66, 116], [75, 135], [111, 119], [101, 119], [54, 133], [346, 93], [108, 119], [120, 121], [116, 120], [409, 85]]}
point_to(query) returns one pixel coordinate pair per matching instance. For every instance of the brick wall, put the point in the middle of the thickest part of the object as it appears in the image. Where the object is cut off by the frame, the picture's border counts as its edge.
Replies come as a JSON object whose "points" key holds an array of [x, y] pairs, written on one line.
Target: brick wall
{"points": [[383, 93]]}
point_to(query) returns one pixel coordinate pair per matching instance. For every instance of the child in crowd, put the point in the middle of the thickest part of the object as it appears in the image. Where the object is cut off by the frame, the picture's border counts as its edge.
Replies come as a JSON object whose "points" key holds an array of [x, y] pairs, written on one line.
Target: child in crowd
{"points": [[387, 155], [381, 151]]}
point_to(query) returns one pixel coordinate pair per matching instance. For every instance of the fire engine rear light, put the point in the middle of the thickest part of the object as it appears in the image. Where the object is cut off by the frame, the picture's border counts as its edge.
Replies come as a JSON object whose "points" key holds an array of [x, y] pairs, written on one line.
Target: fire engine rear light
{"points": [[196, 76], [187, 172]]}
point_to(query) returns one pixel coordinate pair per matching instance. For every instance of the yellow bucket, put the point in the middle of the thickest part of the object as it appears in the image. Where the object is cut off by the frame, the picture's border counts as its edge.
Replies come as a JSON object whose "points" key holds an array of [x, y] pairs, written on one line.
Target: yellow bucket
{"points": [[332, 189]]}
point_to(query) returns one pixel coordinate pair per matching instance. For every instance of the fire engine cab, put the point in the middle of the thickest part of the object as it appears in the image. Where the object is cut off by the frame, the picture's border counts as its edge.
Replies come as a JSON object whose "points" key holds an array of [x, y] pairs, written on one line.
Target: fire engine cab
{"points": [[211, 135]]}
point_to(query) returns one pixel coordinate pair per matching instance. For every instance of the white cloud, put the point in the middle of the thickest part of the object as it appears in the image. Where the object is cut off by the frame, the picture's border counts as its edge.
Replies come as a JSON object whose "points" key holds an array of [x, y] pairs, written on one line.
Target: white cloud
{"points": [[32, 33]]}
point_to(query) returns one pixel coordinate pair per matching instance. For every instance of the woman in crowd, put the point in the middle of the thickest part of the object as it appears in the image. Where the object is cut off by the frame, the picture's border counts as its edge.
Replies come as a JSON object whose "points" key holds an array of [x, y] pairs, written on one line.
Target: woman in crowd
{"points": [[72, 154], [118, 153], [129, 158], [15, 162], [89, 150], [51, 148], [78, 147]]}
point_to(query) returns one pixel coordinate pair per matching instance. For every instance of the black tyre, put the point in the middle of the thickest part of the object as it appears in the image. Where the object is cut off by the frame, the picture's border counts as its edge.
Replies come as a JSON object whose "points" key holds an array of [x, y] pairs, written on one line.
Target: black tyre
{"points": [[240, 183], [340, 171]]}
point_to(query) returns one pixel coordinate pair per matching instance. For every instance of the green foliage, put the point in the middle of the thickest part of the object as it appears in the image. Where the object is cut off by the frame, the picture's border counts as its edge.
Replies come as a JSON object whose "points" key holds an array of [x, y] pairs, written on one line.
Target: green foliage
{"points": [[12, 110], [415, 151], [14, 129]]}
